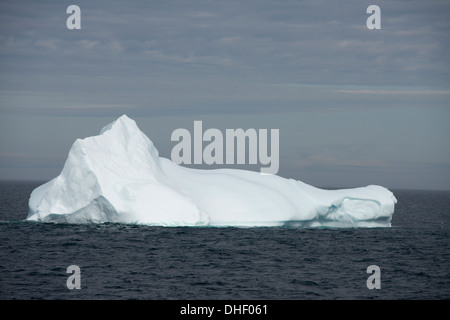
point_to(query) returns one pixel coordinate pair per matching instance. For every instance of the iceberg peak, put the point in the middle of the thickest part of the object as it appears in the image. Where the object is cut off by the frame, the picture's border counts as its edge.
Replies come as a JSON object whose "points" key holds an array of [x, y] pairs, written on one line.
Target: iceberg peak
{"points": [[118, 176], [122, 122]]}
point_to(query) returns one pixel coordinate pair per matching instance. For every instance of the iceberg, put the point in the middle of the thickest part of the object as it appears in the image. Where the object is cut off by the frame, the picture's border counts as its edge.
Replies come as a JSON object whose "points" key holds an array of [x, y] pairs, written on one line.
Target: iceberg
{"points": [[119, 177]]}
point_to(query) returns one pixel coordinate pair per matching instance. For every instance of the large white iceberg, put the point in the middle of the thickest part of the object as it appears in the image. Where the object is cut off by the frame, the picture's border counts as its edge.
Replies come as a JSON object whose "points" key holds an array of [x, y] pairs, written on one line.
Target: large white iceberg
{"points": [[118, 176]]}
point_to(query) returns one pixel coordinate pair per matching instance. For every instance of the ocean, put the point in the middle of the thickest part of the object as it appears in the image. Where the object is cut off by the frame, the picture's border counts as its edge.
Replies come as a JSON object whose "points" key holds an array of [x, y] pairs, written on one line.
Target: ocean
{"points": [[119, 261]]}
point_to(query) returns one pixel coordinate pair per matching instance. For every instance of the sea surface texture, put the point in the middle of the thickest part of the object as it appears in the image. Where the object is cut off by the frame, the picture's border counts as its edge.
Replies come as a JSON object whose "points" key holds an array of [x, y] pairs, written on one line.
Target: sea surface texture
{"points": [[119, 261]]}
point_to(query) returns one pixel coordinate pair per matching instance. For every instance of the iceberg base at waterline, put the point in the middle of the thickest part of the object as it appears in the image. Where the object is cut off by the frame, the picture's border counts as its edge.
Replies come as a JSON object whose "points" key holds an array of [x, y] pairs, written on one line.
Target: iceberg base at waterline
{"points": [[119, 177]]}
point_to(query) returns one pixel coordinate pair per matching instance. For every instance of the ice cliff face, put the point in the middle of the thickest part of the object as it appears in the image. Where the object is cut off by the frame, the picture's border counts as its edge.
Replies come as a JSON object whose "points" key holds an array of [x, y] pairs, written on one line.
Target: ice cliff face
{"points": [[118, 176]]}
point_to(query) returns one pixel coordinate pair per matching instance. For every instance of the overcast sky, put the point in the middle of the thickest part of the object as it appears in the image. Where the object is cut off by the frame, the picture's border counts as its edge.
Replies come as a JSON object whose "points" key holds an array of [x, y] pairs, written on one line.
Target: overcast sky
{"points": [[354, 106]]}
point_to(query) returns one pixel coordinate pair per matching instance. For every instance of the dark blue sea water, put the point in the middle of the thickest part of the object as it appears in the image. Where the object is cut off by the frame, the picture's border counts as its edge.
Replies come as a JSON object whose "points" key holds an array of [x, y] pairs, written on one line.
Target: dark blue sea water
{"points": [[140, 262]]}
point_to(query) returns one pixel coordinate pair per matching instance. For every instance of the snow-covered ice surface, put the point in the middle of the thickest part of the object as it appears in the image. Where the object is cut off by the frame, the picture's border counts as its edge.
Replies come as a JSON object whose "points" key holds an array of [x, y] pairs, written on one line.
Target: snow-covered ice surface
{"points": [[118, 176]]}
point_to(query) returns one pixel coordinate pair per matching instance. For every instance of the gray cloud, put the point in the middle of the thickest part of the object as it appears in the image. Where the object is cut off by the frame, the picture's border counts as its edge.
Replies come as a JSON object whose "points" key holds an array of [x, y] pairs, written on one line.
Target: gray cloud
{"points": [[159, 54], [252, 59]]}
